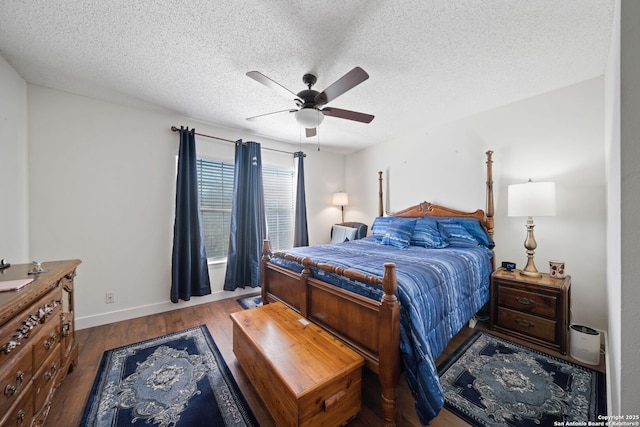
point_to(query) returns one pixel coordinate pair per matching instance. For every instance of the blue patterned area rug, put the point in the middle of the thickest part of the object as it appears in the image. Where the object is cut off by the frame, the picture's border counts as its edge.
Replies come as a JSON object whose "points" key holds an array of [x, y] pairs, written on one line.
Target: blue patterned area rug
{"points": [[490, 381], [250, 301], [175, 380]]}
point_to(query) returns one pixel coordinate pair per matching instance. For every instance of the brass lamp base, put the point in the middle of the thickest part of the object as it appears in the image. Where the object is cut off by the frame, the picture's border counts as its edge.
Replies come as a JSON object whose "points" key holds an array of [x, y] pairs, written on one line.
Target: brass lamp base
{"points": [[530, 269], [530, 244]]}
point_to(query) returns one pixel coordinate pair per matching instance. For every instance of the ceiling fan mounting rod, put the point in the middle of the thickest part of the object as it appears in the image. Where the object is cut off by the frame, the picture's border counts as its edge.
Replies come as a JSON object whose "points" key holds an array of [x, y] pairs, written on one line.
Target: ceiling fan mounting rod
{"points": [[309, 80]]}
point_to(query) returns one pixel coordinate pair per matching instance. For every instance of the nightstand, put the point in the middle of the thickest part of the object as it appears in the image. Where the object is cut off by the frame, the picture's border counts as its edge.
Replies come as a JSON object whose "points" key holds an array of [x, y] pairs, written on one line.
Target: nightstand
{"points": [[535, 309]]}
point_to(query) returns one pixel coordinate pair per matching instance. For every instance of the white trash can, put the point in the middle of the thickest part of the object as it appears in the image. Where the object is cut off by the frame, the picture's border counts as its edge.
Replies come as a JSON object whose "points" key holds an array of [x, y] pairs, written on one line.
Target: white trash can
{"points": [[585, 344]]}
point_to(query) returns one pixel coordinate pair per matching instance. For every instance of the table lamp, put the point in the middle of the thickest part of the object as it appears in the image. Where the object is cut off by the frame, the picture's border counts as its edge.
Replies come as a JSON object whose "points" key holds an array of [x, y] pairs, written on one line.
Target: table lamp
{"points": [[531, 199], [341, 199]]}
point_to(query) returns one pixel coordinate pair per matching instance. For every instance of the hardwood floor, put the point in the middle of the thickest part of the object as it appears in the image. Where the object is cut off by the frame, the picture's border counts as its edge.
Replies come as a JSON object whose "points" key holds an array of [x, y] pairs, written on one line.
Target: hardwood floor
{"points": [[70, 399]]}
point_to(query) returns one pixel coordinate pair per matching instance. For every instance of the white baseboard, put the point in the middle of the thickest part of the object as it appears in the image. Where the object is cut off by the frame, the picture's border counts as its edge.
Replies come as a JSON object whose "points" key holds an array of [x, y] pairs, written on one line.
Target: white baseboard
{"points": [[146, 310]]}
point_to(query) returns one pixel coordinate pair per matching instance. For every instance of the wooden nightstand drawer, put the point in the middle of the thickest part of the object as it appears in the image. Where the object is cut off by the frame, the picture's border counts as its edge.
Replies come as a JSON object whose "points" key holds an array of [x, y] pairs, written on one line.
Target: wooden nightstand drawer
{"points": [[527, 324], [529, 302]]}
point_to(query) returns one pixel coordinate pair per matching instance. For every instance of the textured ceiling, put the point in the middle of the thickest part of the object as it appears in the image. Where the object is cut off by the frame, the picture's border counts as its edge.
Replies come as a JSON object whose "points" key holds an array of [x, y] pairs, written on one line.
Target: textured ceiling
{"points": [[429, 61]]}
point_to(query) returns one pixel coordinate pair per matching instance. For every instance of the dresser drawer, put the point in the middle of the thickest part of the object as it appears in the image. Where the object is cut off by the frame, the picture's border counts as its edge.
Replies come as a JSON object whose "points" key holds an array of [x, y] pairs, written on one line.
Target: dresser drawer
{"points": [[14, 378], [45, 377], [48, 338], [529, 302], [21, 413], [21, 331], [527, 324]]}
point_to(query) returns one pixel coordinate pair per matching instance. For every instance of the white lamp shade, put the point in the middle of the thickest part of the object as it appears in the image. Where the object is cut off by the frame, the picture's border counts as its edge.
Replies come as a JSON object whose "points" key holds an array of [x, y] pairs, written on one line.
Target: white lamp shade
{"points": [[532, 199], [340, 199], [309, 117]]}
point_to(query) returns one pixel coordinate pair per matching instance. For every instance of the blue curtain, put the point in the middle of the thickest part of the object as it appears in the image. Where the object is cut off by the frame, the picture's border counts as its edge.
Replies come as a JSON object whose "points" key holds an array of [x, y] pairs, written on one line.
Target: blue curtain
{"points": [[300, 230], [189, 271], [248, 223]]}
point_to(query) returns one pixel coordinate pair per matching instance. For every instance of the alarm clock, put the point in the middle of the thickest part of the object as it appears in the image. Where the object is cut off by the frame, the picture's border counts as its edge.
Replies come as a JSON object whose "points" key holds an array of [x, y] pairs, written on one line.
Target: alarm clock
{"points": [[509, 266]]}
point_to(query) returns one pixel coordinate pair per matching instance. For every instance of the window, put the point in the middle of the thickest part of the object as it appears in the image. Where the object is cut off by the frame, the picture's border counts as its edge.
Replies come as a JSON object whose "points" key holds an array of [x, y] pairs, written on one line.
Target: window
{"points": [[279, 206], [215, 191]]}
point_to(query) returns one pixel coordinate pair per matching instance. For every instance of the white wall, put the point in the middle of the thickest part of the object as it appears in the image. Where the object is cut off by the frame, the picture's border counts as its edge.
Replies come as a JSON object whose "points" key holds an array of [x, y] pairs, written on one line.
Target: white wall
{"points": [[414, 168], [14, 225], [558, 136], [612, 159], [102, 180], [630, 197]]}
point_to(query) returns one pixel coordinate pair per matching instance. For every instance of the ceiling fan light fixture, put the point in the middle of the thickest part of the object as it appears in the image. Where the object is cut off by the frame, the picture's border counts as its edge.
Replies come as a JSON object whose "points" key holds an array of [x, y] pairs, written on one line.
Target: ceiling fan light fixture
{"points": [[309, 117]]}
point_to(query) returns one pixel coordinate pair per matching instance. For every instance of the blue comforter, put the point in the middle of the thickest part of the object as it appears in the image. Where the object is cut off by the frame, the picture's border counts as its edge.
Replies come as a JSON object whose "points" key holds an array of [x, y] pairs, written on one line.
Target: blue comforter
{"points": [[439, 290]]}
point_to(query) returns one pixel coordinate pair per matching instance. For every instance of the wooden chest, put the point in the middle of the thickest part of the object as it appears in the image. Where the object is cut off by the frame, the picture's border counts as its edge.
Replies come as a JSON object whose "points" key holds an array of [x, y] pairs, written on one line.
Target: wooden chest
{"points": [[305, 376]]}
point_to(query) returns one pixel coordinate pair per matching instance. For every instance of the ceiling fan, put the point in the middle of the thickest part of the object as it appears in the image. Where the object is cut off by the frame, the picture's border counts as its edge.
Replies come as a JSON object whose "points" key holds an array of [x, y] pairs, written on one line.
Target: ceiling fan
{"points": [[309, 113]]}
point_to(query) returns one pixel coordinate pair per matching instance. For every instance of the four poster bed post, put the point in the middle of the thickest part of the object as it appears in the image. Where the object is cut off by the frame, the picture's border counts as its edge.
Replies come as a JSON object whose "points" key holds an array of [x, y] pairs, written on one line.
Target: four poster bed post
{"points": [[370, 327]]}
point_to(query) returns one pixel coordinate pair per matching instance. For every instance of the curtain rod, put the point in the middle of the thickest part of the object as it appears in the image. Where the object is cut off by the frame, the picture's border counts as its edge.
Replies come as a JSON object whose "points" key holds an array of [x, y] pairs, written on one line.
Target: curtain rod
{"points": [[175, 129]]}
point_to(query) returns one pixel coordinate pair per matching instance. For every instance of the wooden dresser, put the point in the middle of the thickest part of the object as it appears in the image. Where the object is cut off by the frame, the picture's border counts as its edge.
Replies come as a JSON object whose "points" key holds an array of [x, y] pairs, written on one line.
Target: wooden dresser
{"points": [[532, 308], [37, 340]]}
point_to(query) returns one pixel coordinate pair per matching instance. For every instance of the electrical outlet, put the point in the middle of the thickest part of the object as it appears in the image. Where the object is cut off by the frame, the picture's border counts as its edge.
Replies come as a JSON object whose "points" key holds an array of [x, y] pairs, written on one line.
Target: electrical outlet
{"points": [[109, 298]]}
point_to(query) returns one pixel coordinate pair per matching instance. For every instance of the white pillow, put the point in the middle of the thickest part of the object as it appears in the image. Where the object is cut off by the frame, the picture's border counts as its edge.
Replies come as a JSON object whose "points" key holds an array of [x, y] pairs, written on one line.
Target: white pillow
{"points": [[341, 234]]}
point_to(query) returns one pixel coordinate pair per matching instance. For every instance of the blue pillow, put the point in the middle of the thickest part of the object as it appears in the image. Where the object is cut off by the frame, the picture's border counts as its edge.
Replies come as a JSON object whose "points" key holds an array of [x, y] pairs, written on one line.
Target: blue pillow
{"points": [[427, 234], [398, 232], [456, 234], [475, 227], [379, 226]]}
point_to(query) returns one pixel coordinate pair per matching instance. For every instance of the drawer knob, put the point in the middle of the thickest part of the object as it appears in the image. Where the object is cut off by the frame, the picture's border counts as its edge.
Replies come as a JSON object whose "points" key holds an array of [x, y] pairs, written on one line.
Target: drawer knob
{"points": [[11, 390], [524, 301], [50, 342], [20, 417], [524, 323], [51, 372]]}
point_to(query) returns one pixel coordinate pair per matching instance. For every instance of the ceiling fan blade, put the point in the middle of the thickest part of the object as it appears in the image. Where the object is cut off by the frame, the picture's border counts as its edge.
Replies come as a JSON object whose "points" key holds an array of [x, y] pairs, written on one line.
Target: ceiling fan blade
{"points": [[261, 78], [347, 114], [350, 80], [268, 114], [310, 132]]}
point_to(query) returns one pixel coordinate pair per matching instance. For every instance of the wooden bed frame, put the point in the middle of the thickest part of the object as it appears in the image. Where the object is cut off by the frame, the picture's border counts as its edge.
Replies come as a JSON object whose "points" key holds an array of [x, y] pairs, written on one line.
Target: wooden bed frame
{"points": [[371, 328]]}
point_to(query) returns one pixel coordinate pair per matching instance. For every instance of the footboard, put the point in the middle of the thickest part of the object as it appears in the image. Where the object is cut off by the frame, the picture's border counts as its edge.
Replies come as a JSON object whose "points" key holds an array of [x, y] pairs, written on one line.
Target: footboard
{"points": [[371, 328]]}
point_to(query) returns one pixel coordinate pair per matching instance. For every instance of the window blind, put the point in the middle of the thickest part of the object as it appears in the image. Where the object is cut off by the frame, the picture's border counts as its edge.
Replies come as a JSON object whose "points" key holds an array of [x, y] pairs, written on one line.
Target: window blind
{"points": [[215, 192], [279, 206]]}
